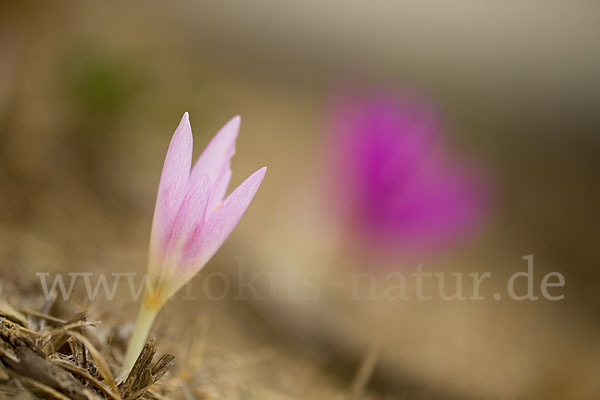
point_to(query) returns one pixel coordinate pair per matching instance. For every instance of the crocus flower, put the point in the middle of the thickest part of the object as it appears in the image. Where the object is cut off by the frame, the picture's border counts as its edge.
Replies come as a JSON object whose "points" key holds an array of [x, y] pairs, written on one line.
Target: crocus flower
{"points": [[398, 185], [191, 219]]}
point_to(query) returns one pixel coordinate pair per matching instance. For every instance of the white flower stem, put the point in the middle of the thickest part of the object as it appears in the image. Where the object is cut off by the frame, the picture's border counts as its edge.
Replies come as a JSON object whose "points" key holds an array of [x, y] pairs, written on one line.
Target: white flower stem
{"points": [[140, 334]]}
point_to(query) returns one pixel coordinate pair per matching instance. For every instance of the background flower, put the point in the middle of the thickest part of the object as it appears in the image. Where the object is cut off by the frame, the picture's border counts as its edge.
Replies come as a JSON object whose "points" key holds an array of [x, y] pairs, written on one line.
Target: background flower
{"points": [[398, 182]]}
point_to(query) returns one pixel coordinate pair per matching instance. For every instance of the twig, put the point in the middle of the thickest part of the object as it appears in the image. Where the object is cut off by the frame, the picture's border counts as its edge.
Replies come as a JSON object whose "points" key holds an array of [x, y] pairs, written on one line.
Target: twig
{"points": [[85, 375], [46, 317], [100, 363]]}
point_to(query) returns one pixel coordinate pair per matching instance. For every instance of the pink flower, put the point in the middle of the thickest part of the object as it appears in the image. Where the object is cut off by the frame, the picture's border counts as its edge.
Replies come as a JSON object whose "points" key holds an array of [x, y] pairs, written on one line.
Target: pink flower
{"points": [[398, 184], [191, 218]]}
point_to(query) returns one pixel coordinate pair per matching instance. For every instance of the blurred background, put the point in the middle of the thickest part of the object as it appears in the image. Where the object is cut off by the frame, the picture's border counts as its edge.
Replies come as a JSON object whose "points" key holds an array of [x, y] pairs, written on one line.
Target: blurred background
{"points": [[493, 104]]}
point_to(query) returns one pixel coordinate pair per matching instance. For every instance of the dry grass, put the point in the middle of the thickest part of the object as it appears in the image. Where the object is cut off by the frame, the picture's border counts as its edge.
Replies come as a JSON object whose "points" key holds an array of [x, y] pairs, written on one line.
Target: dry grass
{"points": [[54, 356]]}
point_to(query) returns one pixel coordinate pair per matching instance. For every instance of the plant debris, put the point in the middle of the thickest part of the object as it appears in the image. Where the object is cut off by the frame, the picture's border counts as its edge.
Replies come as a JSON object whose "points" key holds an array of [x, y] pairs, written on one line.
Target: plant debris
{"points": [[50, 357]]}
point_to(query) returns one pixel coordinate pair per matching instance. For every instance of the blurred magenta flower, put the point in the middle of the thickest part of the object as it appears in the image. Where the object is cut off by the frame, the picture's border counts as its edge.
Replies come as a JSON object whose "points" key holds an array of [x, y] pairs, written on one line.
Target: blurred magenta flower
{"points": [[397, 183], [191, 219]]}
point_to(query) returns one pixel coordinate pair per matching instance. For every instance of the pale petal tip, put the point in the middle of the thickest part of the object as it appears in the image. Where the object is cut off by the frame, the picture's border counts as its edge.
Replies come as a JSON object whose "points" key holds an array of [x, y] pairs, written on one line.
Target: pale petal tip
{"points": [[230, 131], [235, 123], [256, 178], [184, 129], [259, 175], [185, 122]]}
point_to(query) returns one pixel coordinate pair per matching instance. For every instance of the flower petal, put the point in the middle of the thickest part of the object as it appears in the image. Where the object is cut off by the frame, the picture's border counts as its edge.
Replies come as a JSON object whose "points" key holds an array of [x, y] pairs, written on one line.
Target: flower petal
{"points": [[220, 223], [190, 218], [444, 201], [173, 184], [215, 160]]}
